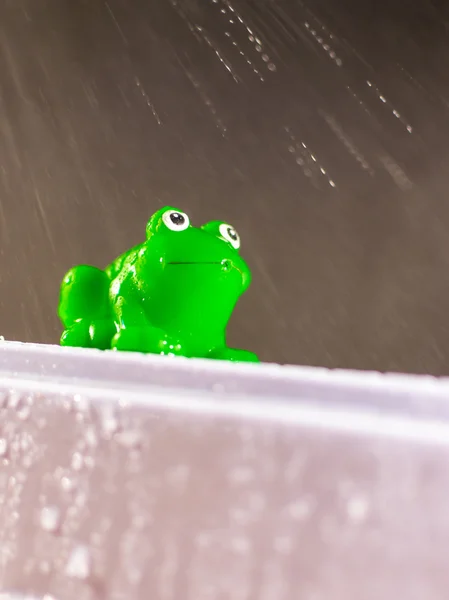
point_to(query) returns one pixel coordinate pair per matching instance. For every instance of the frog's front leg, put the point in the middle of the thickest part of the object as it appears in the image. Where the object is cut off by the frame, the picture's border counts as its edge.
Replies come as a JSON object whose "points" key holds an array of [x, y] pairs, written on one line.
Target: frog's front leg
{"points": [[135, 333], [234, 354], [145, 338], [89, 334]]}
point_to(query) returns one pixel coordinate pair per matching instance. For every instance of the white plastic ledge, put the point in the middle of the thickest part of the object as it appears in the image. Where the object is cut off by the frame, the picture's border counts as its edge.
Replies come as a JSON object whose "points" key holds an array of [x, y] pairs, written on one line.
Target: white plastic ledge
{"points": [[131, 476]]}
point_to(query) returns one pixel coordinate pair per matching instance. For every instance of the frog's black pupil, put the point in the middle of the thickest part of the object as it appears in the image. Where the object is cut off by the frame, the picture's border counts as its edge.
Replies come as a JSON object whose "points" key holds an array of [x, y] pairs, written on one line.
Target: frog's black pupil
{"points": [[232, 234], [177, 218]]}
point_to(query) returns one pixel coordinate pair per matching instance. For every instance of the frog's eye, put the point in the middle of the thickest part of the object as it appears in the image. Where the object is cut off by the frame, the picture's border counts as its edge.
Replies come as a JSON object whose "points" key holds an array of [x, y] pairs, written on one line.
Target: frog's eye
{"points": [[230, 235], [175, 220]]}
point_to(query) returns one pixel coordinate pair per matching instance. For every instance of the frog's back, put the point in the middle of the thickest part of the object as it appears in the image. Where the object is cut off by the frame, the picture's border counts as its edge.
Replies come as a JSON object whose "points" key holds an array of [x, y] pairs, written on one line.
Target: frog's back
{"points": [[85, 291], [116, 266]]}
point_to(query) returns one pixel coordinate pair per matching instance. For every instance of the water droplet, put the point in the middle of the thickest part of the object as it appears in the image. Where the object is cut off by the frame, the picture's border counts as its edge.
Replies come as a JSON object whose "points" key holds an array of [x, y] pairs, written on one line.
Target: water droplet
{"points": [[89, 462], [241, 545], [49, 518], [81, 500], [67, 483], [25, 442], [239, 516], [357, 509], [14, 400], [283, 545], [241, 475], [129, 439], [109, 422], [81, 403], [79, 563], [27, 461], [44, 567], [23, 413], [91, 437], [271, 66], [203, 539], [178, 475], [3, 447], [299, 510], [77, 461]]}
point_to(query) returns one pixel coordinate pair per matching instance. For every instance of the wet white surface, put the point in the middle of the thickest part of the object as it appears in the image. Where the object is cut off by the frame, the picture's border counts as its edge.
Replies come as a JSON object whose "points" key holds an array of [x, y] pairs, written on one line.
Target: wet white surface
{"points": [[125, 491]]}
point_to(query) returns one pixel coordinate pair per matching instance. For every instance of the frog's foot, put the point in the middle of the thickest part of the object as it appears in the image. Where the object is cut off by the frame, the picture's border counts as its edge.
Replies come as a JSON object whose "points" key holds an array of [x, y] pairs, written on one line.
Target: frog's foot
{"points": [[77, 335], [101, 333], [89, 334], [234, 355], [149, 340]]}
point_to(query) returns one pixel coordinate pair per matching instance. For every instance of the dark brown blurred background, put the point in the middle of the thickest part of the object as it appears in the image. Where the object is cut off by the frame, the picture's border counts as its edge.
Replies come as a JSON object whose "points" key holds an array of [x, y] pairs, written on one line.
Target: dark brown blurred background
{"points": [[318, 128]]}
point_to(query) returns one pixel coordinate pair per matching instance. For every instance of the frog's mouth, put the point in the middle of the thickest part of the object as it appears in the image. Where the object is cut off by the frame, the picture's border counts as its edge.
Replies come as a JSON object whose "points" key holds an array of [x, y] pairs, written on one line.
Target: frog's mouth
{"points": [[225, 265]]}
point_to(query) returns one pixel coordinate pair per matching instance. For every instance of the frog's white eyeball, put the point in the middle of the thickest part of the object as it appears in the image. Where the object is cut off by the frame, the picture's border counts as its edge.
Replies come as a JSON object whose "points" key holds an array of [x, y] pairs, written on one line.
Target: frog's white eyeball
{"points": [[176, 221], [230, 235]]}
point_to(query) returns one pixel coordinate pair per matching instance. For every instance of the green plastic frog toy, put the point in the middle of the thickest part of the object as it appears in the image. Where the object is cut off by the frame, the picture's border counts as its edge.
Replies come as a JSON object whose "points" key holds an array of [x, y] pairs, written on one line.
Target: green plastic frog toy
{"points": [[172, 295]]}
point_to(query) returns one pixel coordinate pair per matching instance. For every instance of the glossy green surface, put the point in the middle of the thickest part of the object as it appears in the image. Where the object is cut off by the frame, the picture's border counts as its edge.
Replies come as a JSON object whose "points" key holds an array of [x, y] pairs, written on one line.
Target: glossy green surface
{"points": [[173, 294]]}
